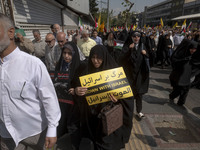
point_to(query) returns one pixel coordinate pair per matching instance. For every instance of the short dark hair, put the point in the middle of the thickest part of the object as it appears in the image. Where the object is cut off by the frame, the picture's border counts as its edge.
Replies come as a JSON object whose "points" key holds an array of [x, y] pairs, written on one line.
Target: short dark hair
{"points": [[36, 30]]}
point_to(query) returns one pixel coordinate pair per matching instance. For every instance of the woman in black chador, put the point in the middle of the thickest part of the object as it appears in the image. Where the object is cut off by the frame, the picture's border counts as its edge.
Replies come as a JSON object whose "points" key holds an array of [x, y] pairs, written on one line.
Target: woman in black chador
{"points": [[184, 61], [134, 59], [91, 125], [70, 118]]}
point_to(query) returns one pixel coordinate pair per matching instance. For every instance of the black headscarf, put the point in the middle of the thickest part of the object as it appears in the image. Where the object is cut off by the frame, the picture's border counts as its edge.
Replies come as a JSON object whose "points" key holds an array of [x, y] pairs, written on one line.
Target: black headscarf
{"points": [[183, 50], [74, 64], [101, 52], [129, 40]]}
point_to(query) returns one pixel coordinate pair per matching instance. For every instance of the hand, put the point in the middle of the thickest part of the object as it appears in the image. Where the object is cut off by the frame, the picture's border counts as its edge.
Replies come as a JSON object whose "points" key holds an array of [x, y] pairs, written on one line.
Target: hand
{"points": [[80, 91], [71, 91], [143, 52], [132, 45], [112, 98], [50, 142]]}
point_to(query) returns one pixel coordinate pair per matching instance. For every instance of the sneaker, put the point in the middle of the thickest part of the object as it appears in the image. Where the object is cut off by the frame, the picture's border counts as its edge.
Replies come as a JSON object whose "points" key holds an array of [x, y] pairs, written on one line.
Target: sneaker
{"points": [[140, 115]]}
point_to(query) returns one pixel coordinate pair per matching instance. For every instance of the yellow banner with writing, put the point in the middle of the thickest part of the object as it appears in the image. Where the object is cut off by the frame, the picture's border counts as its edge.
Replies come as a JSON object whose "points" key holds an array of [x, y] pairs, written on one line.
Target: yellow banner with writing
{"points": [[101, 84]]}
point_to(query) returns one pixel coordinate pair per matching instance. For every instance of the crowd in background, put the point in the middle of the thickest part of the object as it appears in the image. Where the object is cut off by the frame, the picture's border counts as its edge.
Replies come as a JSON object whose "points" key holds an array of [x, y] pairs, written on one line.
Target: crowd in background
{"points": [[82, 52]]}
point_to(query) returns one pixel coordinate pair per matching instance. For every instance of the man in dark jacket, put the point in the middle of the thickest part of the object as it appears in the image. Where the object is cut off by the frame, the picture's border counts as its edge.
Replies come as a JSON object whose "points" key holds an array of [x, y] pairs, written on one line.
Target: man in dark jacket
{"points": [[134, 59]]}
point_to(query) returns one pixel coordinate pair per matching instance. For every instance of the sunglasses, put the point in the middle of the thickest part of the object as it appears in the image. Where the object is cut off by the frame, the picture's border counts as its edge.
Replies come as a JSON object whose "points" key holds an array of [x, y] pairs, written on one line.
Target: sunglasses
{"points": [[49, 41]]}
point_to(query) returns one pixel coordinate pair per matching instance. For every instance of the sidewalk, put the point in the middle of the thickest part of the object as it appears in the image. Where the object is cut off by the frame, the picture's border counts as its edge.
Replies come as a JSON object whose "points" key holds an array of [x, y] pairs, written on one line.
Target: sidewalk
{"points": [[165, 126]]}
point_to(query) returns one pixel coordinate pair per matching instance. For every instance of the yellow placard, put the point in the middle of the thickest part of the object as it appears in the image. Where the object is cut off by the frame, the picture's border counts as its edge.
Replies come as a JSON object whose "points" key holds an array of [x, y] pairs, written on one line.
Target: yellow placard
{"points": [[103, 83]]}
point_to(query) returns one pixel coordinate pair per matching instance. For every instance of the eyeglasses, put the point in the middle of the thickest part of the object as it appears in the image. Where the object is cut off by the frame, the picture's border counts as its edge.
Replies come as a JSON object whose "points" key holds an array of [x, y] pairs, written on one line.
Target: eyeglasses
{"points": [[49, 41]]}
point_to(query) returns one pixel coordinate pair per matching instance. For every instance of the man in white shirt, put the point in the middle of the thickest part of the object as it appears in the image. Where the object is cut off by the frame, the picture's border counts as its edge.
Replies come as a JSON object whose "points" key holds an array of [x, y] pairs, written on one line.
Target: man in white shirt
{"points": [[29, 109]]}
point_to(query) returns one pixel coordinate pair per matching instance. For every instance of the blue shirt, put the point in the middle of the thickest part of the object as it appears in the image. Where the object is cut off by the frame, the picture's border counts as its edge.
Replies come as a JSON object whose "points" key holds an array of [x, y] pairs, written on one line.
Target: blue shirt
{"points": [[98, 40]]}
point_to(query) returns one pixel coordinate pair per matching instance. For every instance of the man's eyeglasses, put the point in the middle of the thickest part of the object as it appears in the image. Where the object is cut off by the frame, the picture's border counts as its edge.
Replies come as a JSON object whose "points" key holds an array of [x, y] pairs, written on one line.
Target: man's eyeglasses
{"points": [[49, 41]]}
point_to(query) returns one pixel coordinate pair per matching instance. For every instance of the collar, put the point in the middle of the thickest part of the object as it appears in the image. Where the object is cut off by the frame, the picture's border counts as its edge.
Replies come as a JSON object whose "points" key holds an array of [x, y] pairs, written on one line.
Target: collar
{"points": [[11, 55]]}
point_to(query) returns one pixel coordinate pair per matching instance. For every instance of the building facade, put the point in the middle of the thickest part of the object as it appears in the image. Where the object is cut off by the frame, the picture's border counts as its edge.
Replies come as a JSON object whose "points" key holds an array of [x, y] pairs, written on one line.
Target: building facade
{"points": [[40, 14], [155, 12]]}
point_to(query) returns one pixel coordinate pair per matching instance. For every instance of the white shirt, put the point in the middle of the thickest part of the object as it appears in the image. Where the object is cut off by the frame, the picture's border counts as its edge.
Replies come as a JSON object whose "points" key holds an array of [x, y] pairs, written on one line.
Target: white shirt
{"points": [[28, 101]]}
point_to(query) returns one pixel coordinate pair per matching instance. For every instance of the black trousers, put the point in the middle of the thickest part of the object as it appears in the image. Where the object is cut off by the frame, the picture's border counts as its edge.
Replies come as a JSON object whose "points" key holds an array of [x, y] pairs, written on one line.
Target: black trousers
{"points": [[181, 91], [138, 98]]}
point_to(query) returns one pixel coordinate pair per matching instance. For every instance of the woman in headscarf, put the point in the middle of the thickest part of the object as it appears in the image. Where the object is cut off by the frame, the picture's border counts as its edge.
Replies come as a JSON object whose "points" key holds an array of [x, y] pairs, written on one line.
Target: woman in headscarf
{"points": [[183, 59], [70, 118], [99, 60], [134, 59], [110, 42]]}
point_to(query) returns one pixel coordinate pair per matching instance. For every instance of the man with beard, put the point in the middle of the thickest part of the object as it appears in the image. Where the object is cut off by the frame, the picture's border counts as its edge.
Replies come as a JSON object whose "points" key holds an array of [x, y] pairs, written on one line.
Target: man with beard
{"points": [[39, 45], [85, 43], [29, 109], [49, 52], [134, 61]]}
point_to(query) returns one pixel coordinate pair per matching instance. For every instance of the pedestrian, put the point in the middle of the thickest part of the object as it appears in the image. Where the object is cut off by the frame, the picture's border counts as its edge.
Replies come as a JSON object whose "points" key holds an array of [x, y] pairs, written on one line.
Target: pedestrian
{"points": [[182, 70], [39, 45], [133, 59], [50, 49], [29, 107], [85, 43], [61, 39], [24, 44], [96, 38], [91, 125], [70, 121], [56, 29]]}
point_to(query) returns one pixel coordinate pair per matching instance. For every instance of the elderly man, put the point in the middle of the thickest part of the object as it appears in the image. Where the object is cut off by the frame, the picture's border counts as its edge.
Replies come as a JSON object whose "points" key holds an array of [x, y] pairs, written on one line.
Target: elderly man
{"points": [[39, 45], [85, 44], [24, 44], [56, 29], [49, 52], [29, 109], [61, 39]]}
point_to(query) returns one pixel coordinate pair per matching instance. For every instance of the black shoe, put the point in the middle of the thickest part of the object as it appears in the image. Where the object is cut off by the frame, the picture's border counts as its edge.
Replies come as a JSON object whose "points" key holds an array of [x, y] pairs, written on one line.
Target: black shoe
{"points": [[171, 100], [180, 104]]}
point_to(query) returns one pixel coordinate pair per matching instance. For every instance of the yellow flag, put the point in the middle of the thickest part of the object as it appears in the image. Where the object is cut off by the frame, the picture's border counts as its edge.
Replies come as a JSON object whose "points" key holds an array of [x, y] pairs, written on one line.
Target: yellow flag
{"points": [[145, 26], [99, 22], [161, 22], [175, 25], [184, 24], [101, 27], [134, 27]]}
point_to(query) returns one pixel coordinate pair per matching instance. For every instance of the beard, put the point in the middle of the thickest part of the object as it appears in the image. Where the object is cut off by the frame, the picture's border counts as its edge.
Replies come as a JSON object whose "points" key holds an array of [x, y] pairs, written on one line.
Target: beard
{"points": [[4, 43]]}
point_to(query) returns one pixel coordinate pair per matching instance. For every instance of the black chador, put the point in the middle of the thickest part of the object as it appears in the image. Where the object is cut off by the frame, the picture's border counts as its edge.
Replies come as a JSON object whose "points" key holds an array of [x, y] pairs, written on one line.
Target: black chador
{"points": [[184, 62], [91, 125]]}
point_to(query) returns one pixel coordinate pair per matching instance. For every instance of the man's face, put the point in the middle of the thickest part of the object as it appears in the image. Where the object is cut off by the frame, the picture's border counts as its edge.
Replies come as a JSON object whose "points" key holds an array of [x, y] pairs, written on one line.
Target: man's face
{"points": [[4, 39], [50, 40], [61, 41], [94, 34], [85, 37], [57, 28], [36, 36]]}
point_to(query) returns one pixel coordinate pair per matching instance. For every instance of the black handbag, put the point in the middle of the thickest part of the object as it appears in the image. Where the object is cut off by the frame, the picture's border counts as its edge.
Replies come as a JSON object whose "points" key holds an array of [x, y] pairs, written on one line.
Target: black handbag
{"points": [[112, 117]]}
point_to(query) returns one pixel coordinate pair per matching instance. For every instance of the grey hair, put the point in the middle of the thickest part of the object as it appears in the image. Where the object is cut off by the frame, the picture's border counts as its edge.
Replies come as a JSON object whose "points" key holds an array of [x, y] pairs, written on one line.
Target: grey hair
{"points": [[6, 21], [85, 32], [36, 31], [55, 25]]}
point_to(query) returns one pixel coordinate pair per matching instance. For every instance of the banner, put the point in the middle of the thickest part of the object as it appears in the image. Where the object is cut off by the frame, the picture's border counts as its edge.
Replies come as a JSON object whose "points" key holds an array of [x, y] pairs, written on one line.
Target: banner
{"points": [[101, 84], [60, 80]]}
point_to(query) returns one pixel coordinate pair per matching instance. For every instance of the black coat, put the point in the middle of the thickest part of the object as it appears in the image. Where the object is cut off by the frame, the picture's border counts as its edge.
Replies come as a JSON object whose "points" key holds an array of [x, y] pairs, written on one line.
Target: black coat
{"points": [[136, 68], [182, 64]]}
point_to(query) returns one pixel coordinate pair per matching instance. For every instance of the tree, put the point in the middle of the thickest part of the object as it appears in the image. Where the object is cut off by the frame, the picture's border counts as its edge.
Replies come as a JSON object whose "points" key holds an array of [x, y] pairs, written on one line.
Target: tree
{"points": [[126, 13], [93, 7]]}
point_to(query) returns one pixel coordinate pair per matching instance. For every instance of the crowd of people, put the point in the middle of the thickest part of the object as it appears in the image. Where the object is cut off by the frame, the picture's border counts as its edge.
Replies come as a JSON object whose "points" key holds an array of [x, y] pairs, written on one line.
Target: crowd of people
{"points": [[33, 116]]}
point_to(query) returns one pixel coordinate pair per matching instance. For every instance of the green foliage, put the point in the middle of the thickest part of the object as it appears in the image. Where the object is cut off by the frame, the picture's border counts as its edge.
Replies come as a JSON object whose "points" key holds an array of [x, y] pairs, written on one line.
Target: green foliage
{"points": [[93, 7]]}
